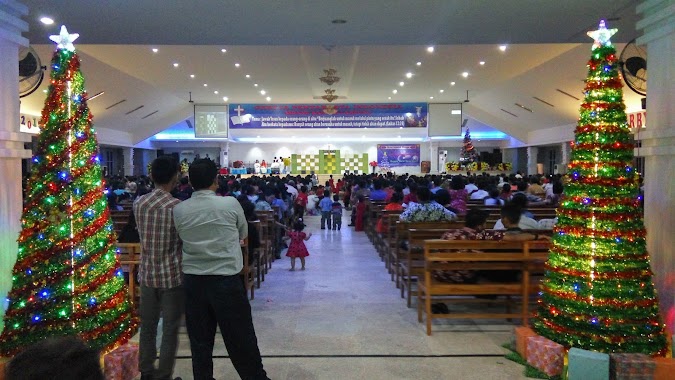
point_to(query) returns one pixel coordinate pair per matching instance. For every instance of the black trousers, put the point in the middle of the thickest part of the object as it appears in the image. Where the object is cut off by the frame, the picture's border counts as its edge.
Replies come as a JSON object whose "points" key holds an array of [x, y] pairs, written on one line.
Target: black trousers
{"points": [[221, 301]]}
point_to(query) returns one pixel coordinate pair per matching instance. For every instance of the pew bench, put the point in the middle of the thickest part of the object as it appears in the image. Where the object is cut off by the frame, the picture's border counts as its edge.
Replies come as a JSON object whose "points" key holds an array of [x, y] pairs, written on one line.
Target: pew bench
{"points": [[527, 258]]}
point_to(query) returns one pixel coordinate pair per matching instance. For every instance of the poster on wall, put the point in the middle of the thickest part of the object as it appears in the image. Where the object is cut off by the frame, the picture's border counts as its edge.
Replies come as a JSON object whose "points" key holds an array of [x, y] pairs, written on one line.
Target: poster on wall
{"points": [[210, 121], [391, 156], [350, 115]]}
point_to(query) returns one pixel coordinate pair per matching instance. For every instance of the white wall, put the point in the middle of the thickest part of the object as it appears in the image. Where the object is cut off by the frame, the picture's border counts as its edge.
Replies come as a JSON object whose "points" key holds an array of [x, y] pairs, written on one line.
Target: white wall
{"points": [[551, 135]]}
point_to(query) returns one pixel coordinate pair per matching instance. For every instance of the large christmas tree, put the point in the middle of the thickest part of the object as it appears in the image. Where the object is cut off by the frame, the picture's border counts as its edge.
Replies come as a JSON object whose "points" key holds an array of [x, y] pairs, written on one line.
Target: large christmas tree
{"points": [[468, 153], [66, 280], [598, 292]]}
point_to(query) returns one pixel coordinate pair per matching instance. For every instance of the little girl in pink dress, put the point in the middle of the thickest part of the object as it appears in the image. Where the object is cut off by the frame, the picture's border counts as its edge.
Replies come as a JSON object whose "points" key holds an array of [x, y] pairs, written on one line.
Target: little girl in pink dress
{"points": [[297, 248]]}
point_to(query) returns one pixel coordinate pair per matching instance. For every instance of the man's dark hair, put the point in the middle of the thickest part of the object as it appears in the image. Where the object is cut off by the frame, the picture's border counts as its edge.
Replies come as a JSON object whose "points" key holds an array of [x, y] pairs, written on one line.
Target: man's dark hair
{"points": [[511, 212], [521, 185], [56, 358], [558, 188], [202, 173], [441, 197], [475, 217], [423, 194], [520, 200], [163, 169]]}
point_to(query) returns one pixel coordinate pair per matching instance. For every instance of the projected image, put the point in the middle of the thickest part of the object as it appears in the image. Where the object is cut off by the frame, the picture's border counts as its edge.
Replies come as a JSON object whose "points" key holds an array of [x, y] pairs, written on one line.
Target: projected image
{"points": [[211, 121]]}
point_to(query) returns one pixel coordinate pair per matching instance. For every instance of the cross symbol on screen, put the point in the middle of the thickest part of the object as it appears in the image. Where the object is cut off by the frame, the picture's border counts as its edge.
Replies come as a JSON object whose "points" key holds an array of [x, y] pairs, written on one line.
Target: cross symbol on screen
{"points": [[239, 110]]}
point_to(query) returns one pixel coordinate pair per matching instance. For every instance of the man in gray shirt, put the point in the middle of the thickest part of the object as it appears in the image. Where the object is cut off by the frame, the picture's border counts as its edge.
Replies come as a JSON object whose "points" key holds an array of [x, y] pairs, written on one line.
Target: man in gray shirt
{"points": [[211, 228]]}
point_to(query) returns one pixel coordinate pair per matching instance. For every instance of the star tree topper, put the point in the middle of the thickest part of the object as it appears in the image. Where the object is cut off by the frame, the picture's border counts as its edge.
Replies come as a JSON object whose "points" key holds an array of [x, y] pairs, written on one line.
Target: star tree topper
{"points": [[602, 35], [64, 40]]}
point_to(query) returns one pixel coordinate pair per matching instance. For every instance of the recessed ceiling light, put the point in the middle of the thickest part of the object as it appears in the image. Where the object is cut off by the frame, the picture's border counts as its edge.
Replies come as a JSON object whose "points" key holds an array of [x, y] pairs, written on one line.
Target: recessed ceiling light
{"points": [[431, 97], [441, 91], [176, 140], [225, 98], [339, 21], [502, 47], [388, 97], [192, 75], [255, 85], [45, 91], [268, 98], [206, 85], [263, 92], [236, 65], [363, 136], [395, 91], [419, 63], [408, 75], [257, 136], [215, 92], [155, 50], [430, 49], [482, 63], [465, 74], [46, 20], [401, 84], [400, 127], [248, 76], [452, 83], [175, 64], [223, 50]]}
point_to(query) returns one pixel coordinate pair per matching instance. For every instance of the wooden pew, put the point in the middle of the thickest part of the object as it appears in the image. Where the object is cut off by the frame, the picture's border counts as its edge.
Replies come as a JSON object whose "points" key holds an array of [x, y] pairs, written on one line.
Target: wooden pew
{"points": [[129, 256], [524, 257]]}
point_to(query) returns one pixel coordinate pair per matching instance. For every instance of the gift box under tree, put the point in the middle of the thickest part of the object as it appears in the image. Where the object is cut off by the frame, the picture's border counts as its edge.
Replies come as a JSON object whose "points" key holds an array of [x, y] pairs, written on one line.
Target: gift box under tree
{"points": [[587, 365], [121, 363], [631, 367], [545, 355], [521, 335]]}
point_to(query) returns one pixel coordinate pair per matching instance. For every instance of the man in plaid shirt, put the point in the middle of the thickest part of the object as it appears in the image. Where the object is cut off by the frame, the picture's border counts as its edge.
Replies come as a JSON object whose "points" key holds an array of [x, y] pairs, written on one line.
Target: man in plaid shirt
{"points": [[160, 271]]}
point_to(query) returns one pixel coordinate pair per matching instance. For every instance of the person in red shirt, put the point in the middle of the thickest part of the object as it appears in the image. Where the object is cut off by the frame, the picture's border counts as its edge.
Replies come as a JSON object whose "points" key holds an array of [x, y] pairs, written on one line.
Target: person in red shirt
{"points": [[300, 202], [394, 205]]}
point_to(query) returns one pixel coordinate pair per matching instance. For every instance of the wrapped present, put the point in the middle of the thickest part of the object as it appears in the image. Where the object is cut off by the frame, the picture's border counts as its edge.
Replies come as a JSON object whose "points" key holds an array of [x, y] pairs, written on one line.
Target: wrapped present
{"points": [[665, 368], [545, 355], [521, 334], [587, 365], [631, 367], [121, 363]]}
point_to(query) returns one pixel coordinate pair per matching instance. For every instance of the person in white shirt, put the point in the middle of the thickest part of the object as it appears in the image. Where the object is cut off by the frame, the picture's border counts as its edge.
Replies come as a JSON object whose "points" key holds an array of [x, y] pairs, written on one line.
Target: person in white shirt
{"points": [[212, 229], [493, 199], [290, 189], [470, 187], [481, 193]]}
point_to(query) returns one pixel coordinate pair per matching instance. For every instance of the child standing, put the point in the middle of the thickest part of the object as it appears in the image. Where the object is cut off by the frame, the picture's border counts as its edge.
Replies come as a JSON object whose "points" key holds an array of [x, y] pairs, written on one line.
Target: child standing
{"points": [[336, 212], [297, 246], [325, 205]]}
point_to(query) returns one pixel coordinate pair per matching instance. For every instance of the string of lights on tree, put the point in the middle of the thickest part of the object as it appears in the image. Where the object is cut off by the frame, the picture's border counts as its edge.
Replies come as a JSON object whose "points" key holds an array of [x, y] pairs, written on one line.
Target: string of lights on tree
{"points": [[598, 292], [67, 279]]}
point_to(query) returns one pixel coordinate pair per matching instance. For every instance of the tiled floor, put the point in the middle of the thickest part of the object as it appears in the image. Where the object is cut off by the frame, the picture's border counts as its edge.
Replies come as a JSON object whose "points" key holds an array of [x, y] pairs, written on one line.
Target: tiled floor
{"points": [[343, 318]]}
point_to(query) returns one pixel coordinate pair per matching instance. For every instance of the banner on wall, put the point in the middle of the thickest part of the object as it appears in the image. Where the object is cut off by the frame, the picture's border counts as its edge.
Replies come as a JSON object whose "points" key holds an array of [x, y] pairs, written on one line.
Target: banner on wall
{"points": [[29, 124], [350, 115], [391, 156]]}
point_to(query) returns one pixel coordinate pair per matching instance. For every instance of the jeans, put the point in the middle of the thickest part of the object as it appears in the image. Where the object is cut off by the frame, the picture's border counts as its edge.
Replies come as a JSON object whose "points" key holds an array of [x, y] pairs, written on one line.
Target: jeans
{"points": [[325, 219], [170, 303], [337, 221], [221, 301]]}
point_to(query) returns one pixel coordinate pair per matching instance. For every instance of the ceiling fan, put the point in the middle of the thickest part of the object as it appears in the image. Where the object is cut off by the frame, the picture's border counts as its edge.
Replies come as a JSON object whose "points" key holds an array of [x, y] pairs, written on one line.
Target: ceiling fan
{"points": [[633, 63], [31, 71]]}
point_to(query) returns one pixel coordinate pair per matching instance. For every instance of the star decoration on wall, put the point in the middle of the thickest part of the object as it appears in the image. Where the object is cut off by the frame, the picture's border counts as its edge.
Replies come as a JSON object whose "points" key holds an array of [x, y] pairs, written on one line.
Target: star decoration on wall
{"points": [[64, 40], [602, 35]]}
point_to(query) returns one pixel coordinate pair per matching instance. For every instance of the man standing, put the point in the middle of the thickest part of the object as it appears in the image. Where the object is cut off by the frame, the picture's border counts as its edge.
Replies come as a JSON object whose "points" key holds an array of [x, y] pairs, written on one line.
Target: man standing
{"points": [[211, 228], [159, 273]]}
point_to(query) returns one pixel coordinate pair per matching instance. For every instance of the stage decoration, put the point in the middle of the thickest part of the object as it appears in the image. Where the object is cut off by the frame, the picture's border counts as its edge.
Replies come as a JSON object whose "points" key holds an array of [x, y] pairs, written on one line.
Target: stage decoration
{"points": [[598, 293], [468, 153], [67, 279]]}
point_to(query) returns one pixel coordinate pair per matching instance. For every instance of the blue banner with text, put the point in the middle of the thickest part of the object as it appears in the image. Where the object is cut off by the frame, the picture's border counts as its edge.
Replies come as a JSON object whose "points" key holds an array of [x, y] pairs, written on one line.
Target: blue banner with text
{"points": [[356, 115]]}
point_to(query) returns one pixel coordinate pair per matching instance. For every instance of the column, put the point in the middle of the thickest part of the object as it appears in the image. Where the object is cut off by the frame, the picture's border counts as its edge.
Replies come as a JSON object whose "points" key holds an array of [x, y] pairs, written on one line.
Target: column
{"points": [[128, 161], [658, 147], [565, 159], [532, 159], [11, 140]]}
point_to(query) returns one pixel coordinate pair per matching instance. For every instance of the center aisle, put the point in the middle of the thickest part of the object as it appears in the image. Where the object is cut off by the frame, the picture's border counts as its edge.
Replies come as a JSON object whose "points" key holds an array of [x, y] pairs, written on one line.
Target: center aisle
{"points": [[343, 318]]}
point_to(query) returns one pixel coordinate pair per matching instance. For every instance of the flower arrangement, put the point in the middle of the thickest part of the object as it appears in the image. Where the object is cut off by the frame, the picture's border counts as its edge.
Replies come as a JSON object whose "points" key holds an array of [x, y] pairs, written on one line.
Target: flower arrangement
{"points": [[238, 164], [452, 166], [504, 166]]}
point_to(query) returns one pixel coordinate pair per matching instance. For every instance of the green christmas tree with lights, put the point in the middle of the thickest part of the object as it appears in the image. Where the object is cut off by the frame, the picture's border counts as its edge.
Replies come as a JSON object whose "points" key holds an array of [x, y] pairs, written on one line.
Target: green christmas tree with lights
{"points": [[598, 292], [67, 279], [468, 154]]}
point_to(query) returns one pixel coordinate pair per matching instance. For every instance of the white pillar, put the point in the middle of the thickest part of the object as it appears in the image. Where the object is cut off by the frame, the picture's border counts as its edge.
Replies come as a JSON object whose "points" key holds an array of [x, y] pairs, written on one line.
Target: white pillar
{"points": [[532, 159], [658, 147], [11, 140], [433, 157], [128, 161]]}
